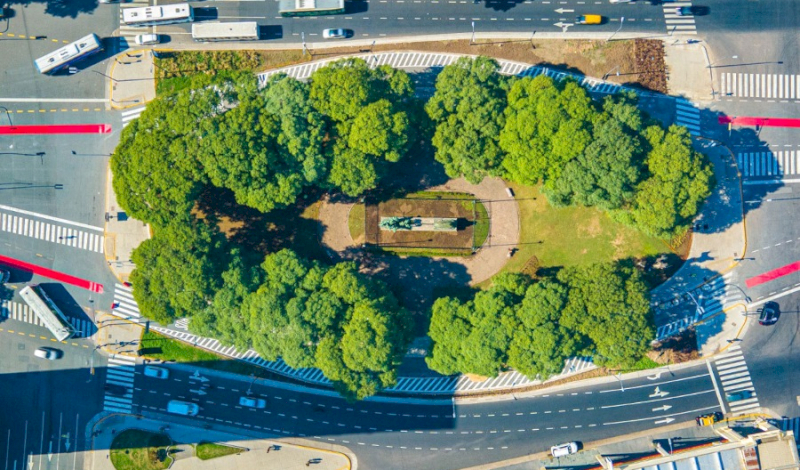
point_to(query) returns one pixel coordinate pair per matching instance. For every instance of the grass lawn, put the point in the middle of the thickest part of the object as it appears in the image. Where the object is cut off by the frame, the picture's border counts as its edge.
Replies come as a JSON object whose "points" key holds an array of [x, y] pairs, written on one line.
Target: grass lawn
{"points": [[158, 346], [571, 236], [481, 225], [209, 450], [355, 222], [140, 450]]}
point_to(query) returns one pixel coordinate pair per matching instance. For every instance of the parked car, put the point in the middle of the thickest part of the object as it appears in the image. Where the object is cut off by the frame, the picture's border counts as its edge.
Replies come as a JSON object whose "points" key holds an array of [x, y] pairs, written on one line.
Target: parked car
{"points": [[50, 354], [147, 39], [252, 402], [564, 449], [740, 395], [334, 33], [769, 314], [156, 372], [115, 389], [589, 19], [709, 418]]}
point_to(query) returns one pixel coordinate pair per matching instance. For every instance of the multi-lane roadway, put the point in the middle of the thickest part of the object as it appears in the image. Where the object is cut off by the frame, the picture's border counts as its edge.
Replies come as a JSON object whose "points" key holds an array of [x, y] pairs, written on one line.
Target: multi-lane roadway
{"points": [[61, 194]]}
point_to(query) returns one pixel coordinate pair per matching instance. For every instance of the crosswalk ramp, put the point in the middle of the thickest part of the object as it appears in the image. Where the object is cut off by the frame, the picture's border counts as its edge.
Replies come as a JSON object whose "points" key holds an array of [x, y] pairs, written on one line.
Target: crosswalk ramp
{"points": [[118, 396], [677, 24], [774, 164], [19, 311], [687, 115], [81, 236], [735, 379], [125, 305], [760, 85], [129, 115]]}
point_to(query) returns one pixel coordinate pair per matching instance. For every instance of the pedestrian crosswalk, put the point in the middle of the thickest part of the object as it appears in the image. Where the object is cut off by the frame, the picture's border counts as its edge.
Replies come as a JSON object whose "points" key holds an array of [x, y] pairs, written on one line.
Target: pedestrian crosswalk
{"points": [[125, 305], [91, 239], [18, 311], [778, 163], [128, 33], [182, 324], [760, 85], [119, 384], [678, 24], [712, 298], [687, 115], [426, 385], [129, 115], [734, 378], [792, 424]]}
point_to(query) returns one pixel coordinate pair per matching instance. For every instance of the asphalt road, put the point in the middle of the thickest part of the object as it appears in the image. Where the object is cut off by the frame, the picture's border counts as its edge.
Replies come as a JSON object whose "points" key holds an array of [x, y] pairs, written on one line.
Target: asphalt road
{"points": [[43, 404], [394, 435]]}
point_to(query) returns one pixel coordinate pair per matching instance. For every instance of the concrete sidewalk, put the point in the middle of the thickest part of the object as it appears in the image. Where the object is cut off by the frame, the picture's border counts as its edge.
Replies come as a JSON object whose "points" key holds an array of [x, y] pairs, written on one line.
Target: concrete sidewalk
{"points": [[267, 454]]}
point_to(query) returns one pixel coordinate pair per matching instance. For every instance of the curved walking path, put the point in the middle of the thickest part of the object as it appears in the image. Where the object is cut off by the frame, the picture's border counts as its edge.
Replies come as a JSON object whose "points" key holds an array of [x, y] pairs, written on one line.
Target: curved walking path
{"points": [[489, 260]]}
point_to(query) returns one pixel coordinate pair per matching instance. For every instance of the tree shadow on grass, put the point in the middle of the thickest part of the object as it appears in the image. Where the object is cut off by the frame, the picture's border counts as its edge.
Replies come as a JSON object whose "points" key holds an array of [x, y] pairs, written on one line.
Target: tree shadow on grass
{"points": [[259, 233]]}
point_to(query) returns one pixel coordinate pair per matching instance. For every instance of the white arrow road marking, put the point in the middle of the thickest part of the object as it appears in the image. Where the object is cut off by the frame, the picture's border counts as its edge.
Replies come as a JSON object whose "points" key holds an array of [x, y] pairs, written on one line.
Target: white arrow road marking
{"points": [[561, 10], [665, 421], [658, 393], [662, 408], [564, 26], [199, 392], [674, 397], [654, 377], [694, 412]]}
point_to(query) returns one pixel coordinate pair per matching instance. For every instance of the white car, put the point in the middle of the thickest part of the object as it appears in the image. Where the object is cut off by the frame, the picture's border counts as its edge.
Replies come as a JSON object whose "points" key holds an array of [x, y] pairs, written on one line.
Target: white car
{"points": [[564, 449], [620, 1], [337, 33], [156, 372], [47, 353], [252, 402], [147, 39]]}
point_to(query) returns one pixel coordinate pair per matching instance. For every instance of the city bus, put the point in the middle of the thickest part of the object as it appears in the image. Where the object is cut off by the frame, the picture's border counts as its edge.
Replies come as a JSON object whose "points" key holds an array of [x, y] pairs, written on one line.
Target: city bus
{"points": [[47, 311], [69, 54], [310, 7], [211, 32], [158, 15]]}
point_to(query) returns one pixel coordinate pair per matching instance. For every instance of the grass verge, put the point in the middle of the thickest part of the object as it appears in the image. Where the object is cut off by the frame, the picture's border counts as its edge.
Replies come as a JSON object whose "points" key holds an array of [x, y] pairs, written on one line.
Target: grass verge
{"points": [[135, 449], [572, 236], [355, 222], [157, 346], [210, 450], [481, 224]]}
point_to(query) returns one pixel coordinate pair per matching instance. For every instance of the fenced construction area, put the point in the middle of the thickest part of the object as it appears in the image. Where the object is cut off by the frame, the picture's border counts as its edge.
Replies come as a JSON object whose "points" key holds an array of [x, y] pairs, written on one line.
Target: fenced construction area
{"points": [[472, 224]]}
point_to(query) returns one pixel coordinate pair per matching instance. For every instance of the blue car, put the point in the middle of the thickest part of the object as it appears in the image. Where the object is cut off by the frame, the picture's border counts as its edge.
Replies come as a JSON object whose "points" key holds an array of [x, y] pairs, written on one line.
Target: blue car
{"points": [[740, 395]]}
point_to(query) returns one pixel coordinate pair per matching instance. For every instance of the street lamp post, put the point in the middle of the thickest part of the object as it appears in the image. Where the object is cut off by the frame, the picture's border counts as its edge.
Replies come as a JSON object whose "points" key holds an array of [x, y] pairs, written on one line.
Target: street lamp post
{"points": [[609, 72], [621, 20], [303, 38], [101, 73], [8, 115], [472, 40]]}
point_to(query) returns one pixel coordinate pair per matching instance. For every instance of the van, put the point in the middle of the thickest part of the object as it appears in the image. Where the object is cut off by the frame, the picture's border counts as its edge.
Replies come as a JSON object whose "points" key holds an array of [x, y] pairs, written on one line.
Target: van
{"points": [[564, 449], [156, 372], [182, 408]]}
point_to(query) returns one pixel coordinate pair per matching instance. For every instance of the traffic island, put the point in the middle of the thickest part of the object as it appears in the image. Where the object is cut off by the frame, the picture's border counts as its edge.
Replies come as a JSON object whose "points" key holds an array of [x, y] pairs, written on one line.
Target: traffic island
{"points": [[135, 449]]}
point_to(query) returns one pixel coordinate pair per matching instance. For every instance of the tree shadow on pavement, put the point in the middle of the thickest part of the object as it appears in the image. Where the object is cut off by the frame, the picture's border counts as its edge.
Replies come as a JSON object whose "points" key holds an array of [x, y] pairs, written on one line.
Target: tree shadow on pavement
{"points": [[60, 8]]}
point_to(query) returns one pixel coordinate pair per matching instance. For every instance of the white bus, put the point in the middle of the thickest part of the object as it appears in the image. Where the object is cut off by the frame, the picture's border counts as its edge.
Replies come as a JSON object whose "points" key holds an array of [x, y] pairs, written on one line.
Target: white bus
{"points": [[47, 311], [71, 53], [208, 32], [152, 16]]}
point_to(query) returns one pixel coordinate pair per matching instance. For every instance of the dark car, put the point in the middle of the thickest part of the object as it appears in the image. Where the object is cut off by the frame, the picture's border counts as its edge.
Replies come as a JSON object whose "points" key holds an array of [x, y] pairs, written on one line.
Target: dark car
{"points": [[740, 395], [115, 389], [769, 314]]}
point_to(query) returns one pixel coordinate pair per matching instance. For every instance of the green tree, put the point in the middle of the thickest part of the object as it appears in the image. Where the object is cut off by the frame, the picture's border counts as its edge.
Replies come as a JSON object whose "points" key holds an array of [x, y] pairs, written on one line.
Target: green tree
{"points": [[540, 344], [680, 180], [467, 109], [379, 133], [609, 305], [605, 175], [178, 270]]}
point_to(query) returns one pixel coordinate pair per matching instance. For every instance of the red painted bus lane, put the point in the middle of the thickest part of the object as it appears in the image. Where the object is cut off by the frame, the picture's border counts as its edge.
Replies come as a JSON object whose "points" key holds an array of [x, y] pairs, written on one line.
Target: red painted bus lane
{"points": [[49, 273], [759, 121], [774, 274], [58, 129]]}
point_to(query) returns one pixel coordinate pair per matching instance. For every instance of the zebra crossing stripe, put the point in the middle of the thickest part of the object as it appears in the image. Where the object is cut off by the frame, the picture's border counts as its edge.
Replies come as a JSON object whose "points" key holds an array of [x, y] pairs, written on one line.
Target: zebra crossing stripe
{"points": [[24, 226], [778, 163], [748, 85]]}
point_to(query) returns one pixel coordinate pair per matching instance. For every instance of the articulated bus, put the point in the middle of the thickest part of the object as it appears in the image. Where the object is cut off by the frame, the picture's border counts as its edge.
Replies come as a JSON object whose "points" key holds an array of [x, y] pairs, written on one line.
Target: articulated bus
{"points": [[69, 54], [47, 311], [310, 7], [210, 32], [158, 15]]}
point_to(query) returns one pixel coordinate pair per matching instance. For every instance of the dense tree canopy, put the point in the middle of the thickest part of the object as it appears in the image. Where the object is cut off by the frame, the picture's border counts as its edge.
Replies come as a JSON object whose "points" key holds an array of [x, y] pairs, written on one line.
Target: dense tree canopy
{"points": [[467, 109], [600, 309]]}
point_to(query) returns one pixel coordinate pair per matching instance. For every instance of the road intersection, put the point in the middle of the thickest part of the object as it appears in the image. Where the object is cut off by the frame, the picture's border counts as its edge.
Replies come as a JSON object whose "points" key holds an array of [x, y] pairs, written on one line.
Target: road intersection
{"points": [[62, 229]]}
